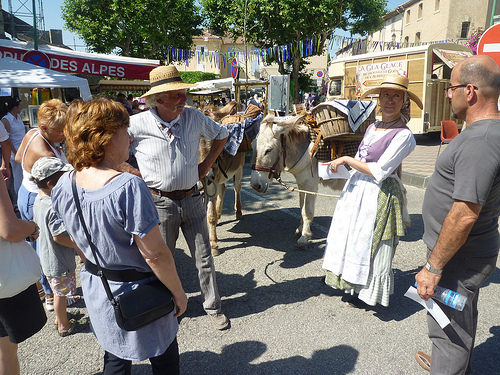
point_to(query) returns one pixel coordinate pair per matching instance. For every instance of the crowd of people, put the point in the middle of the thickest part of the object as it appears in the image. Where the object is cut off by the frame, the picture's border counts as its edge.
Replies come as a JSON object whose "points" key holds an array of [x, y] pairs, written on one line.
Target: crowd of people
{"points": [[123, 221]]}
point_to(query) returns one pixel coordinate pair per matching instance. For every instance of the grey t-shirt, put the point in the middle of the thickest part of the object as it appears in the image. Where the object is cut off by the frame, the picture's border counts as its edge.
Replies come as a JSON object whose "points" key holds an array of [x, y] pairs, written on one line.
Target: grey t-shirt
{"points": [[467, 170], [56, 259]]}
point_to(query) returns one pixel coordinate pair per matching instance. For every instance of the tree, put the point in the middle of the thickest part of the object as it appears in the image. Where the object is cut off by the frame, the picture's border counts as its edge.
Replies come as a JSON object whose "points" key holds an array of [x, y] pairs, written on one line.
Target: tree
{"points": [[278, 22], [140, 28]]}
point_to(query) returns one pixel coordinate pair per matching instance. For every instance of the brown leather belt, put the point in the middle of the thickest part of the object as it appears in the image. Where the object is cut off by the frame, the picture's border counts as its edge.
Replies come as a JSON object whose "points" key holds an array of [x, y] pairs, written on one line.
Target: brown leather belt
{"points": [[175, 195]]}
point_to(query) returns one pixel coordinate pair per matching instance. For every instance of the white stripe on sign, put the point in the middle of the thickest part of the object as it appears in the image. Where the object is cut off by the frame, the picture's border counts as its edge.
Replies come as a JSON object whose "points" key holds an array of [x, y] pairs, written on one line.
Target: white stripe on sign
{"points": [[491, 47]]}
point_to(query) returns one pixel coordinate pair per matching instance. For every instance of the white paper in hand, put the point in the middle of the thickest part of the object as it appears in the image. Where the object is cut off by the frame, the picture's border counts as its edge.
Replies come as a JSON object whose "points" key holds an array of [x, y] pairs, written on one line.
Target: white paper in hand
{"points": [[430, 305], [326, 174]]}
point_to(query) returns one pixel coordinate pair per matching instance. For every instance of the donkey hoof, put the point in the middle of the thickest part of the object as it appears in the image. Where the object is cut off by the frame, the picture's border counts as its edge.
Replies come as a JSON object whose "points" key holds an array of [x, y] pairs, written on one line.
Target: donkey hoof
{"points": [[298, 233], [215, 251], [239, 215], [302, 243]]}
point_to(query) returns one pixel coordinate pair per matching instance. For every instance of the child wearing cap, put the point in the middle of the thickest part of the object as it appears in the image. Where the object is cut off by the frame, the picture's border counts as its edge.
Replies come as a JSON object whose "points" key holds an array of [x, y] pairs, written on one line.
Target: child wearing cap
{"points": [[56, 248]]}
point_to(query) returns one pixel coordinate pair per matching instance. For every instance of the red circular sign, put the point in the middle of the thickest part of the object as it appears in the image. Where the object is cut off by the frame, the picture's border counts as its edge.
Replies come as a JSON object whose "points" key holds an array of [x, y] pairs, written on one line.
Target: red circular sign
{"points": [[489, 44], [37, 58], [319, 74]]}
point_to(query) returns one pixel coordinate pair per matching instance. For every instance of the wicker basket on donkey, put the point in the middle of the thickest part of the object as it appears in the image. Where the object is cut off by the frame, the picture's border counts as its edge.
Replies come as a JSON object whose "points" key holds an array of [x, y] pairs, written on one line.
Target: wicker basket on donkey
{"points": [[334, 124]]}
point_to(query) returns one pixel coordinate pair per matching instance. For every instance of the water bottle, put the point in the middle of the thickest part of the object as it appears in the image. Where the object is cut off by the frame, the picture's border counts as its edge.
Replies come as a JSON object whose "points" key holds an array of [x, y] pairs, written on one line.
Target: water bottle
{"points": [[449, 298]]}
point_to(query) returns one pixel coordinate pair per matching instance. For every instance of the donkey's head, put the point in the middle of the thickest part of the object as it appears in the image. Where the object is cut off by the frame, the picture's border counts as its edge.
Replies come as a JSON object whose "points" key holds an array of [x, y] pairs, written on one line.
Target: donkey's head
{"points": [[269, 148]]}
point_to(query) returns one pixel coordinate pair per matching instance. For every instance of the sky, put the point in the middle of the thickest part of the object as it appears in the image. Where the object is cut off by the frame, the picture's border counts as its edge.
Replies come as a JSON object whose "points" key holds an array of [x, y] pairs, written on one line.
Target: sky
{"points": [[53, 20]]}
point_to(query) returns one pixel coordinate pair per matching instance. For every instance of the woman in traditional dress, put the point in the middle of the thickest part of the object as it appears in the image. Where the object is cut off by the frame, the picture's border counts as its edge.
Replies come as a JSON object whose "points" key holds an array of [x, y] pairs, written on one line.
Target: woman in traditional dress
{"points": [[369, 216]]}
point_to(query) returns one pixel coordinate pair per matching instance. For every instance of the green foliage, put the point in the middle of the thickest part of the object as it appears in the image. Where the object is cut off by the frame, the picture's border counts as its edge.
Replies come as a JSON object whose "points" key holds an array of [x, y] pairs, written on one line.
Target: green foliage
{"points": [[278, 22], [193, 77], [139, 28]]}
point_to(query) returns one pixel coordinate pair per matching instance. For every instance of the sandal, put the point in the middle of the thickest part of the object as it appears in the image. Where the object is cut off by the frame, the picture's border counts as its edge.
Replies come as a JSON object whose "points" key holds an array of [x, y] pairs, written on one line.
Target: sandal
{"points": [[76, 326], [49, 303], [41, 292], [72, 314], [71, 300], [424, 360]]}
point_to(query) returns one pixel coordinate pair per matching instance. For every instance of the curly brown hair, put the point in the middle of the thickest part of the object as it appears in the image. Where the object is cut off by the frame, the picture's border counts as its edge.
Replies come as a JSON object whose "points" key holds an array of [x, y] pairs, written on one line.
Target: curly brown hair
{"points": [[52, 113], [90, 128]]}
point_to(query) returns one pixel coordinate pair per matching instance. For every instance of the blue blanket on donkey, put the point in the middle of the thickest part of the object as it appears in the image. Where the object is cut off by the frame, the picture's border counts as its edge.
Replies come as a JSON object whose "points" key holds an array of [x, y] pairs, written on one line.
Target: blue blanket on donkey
{"points": [[249, 128]]}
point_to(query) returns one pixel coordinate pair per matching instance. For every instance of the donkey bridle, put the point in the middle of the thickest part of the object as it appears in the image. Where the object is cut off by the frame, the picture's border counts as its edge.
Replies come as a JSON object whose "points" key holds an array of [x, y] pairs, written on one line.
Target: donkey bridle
{"points": [[273, 173]]}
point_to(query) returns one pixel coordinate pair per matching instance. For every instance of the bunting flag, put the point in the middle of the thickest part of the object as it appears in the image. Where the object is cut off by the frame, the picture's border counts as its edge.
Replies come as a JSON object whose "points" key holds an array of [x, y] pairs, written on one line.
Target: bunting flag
{"points": [[285, 53]]}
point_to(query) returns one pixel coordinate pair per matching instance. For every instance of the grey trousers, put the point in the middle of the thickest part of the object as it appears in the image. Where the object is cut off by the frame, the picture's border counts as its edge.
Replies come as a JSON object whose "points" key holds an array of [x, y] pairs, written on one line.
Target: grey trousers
{"points": [[190, 215], [452, 346]]}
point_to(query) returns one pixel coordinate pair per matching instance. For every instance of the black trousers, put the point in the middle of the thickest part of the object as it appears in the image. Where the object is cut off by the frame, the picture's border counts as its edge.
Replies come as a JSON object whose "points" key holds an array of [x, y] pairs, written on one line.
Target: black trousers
{"points": [[164, 364]]}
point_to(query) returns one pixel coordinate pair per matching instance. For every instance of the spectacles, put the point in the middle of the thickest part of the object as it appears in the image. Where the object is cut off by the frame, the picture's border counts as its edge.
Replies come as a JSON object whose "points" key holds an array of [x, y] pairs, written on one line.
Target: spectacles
{"points": [[453, 88]]}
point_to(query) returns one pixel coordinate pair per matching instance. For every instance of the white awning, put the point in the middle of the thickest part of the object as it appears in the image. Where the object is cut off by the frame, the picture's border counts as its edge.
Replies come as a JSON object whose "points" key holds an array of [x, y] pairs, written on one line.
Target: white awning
{"points": [[15, 73]]}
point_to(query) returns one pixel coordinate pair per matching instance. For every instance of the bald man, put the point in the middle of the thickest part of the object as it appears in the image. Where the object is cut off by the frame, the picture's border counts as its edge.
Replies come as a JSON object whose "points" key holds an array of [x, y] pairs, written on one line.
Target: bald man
{"points": [[460, 213]]}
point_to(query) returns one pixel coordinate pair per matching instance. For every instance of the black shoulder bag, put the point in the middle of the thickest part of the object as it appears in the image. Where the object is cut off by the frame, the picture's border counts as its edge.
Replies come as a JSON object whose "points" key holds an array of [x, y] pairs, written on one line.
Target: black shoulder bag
{"points": [[139, 307]]}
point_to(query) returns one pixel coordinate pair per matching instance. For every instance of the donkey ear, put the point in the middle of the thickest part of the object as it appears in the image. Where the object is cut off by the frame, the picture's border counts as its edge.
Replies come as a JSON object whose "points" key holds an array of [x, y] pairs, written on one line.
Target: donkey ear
{"points": [[288, 123]]}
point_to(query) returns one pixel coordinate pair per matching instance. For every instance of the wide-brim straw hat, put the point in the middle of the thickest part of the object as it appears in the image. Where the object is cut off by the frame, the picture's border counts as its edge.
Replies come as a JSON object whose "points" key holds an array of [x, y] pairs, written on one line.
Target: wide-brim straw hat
{"points": [[395, 82], [165, 78]]}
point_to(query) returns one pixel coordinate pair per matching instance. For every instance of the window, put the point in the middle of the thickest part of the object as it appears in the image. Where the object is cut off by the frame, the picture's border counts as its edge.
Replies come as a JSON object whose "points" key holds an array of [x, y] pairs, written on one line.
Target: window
{"points": [[408, 16], [420, 10], [335, 87], [393, 38], [465, 30], [417, 37], [201, 50], [407, 39], [436, 5]]}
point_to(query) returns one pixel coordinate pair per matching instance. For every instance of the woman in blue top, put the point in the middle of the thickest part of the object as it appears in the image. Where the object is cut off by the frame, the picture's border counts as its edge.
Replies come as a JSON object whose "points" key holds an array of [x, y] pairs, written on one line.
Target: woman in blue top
{"points": [[123, 223]]}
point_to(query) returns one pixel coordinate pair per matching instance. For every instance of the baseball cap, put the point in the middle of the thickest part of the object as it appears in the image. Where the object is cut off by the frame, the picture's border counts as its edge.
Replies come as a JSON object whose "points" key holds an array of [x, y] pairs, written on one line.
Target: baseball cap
{"points": [[45, 167]]}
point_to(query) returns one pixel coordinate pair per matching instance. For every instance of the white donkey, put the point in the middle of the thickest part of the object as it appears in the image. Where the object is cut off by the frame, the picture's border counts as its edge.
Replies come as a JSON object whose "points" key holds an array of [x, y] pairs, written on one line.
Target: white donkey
{"points": [[286, 146]]}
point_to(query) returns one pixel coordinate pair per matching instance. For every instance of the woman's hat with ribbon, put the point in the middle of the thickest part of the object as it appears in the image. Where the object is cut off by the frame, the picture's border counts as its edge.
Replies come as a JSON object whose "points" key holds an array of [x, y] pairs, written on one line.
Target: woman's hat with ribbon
{"points": [[395, 82], [165, 78]]}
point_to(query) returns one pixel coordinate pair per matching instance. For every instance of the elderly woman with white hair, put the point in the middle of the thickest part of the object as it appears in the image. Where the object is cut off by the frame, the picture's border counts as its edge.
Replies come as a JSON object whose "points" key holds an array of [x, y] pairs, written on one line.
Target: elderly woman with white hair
{"points": [[369, 216]]}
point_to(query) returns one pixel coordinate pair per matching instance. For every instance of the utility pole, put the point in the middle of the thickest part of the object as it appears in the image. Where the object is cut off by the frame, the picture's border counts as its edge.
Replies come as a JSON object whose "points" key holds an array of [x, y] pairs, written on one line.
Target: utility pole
{"points": [[35, 32]]}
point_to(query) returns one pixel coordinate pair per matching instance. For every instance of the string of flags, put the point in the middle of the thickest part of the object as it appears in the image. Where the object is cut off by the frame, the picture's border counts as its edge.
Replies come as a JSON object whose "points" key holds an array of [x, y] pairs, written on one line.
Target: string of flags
{"points": [[286, 52]]}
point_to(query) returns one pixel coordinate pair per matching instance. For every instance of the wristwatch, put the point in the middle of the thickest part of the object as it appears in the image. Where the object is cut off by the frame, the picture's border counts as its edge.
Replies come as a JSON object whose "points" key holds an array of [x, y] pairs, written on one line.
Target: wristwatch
{"points": [[431, 269], [33, 236]]}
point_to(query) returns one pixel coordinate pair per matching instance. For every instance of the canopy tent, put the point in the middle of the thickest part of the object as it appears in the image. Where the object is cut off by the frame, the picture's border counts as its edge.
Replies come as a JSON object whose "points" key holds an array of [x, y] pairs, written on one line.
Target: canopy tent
{"points": [[224, 83], [16, 73]]}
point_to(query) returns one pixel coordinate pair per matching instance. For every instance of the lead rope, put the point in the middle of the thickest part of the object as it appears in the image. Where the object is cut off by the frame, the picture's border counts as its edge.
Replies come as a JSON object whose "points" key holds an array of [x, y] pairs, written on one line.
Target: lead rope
{"points": [[291, 188]]}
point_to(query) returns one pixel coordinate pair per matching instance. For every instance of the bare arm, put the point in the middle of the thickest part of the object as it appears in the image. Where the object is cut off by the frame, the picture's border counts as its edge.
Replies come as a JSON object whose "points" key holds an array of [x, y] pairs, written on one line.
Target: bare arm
{"points": [[214, 152], [353, 163], [454, 233], [4, 168], [11, 228], [126, 167], [65, 240], [6, 124], [157, 255]]}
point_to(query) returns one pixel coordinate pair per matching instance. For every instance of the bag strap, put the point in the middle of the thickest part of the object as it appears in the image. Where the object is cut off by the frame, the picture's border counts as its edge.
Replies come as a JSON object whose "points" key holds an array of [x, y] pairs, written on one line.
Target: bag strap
{"points": [[100, 272]]}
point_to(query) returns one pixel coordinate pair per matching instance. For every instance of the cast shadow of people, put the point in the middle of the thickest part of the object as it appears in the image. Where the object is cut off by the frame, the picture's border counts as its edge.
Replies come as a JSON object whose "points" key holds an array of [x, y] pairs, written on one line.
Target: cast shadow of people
{"points": [[237, 358], [486, 357]]}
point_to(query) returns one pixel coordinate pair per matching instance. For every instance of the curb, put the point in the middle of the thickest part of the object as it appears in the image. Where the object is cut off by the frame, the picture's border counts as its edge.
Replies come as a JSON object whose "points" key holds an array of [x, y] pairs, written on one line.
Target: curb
{"points": [[416, 180]]}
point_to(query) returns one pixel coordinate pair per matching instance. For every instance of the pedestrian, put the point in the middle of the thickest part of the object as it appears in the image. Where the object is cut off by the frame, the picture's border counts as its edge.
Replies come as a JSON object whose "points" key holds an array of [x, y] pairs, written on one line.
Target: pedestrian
{"points": [[55, 247], [37, 143], [122, 221], [13, 123], [165, 143], [22, 315], [121, 98], [369, 216], [460, 213], [5, 149]]}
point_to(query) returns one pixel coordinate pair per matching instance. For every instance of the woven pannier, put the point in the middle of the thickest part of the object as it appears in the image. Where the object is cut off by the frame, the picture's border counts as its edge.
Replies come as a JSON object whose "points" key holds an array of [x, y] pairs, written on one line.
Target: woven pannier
{"points": [[335, 125]]}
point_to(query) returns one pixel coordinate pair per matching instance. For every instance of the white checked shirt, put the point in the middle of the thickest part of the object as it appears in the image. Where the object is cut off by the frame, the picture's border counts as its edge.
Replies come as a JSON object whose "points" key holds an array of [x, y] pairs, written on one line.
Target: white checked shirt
{"points": [[169, 162]]}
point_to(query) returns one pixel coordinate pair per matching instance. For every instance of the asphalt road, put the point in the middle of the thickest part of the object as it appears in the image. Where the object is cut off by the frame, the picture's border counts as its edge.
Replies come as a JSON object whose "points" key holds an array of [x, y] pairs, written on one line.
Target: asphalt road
{"points": [[284, 321]]}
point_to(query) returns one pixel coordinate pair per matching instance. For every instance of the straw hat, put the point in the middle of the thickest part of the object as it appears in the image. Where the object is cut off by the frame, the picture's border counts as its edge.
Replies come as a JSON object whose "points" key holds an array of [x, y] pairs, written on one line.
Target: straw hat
{"points": [[165, 78], [395, 82]]}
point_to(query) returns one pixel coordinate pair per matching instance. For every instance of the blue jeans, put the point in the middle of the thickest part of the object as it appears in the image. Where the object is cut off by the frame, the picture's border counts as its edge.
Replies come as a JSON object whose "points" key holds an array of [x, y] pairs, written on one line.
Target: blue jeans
{"points": [[25, 201], [452, 346]]}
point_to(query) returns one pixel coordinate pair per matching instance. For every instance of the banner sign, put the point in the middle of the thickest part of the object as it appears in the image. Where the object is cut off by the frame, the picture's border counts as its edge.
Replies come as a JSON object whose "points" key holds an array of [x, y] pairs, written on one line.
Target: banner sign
{"points": [[77, 64], [371, 75]]}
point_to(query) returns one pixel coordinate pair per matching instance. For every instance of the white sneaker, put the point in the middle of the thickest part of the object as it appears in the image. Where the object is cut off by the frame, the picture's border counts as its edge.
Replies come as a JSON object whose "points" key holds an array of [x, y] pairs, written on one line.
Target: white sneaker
{"points": [[49, 303], [219, 320]]}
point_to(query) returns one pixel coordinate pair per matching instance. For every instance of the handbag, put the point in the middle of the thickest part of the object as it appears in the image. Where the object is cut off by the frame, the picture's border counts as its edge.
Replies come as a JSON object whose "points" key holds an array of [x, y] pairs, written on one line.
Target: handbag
{"points": [[19, 267], [136, 308]]}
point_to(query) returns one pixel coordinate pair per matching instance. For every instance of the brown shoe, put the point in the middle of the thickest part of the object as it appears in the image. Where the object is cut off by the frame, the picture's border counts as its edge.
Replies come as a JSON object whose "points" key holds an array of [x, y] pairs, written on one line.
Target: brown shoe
{"points": [[423, 360], [219, 320]]}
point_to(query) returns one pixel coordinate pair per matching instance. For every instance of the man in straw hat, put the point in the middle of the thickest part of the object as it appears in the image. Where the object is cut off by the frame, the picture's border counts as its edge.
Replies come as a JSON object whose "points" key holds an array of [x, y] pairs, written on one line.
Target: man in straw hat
{"points": [[460, 212], [165, 144]]}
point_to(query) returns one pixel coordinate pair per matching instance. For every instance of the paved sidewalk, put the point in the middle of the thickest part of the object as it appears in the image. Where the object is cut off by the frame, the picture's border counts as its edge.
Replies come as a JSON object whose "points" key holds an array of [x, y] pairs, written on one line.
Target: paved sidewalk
{"points": [[419, 166]]}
